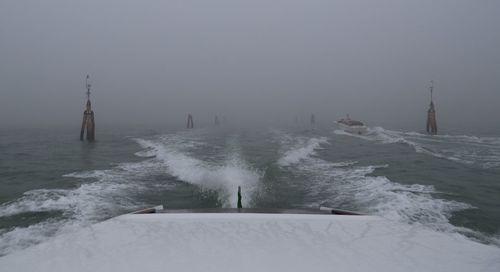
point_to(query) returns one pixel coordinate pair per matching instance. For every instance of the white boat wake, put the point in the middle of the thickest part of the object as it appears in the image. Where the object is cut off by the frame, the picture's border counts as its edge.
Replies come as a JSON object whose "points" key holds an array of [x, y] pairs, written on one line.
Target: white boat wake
{"points": [[471, 150], [348, 185], [220, 175], [102, 194]]}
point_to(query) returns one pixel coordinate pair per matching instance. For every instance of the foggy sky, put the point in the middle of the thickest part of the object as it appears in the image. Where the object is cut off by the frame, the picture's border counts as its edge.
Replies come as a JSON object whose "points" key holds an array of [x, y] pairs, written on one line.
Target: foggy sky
{"points": [[155, 61]]}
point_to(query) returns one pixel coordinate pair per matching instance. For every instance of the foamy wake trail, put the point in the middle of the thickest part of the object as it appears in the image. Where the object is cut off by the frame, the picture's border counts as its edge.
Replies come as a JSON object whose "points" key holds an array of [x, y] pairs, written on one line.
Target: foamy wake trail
{"points": [[101, 197], [223, 178], [21, 238], [348, 185], [483, 151], [298, 148]]}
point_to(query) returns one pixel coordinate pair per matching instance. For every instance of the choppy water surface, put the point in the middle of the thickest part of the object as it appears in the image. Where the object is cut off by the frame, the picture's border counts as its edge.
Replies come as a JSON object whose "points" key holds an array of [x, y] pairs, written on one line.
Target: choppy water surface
{"points": [[51, 183]]}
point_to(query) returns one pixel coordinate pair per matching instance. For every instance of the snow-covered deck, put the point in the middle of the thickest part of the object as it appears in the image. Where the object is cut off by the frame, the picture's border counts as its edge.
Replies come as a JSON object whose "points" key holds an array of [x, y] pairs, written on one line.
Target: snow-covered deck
{"points": [[254, 242]]}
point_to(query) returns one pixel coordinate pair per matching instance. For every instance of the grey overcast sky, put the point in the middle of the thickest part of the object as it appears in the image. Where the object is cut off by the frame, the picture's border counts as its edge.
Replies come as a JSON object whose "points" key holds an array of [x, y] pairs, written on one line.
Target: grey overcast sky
{"points": [[155, 61]]}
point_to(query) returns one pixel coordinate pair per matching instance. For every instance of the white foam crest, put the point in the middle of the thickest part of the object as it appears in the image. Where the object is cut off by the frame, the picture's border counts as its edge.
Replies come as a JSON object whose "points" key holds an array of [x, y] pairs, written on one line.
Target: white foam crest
{"points": [[462, 149], [412, 204], [183, 141], [97, 174], [23, 237], [20, 238], [88, 203], [102, 193], [148, 144], [82, 203], [387, 136], [378, 134], [484, 151], [409, 203], [282, 138], [301, 151], [471, 139], [145, 153], [224, 179], [119, 172], [496, 240], [134, 169], [35, 201], [360, 136]]}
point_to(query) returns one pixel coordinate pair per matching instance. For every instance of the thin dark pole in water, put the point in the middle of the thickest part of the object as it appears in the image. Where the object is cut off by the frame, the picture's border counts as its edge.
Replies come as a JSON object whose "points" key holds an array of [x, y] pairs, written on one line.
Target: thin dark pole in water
{"points": [[88, 122], [239, 198]]}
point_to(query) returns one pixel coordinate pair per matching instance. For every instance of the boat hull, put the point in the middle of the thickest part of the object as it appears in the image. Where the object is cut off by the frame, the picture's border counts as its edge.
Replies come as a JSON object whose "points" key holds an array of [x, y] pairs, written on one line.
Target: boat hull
{"points": [[253, 242], [353, 129]]}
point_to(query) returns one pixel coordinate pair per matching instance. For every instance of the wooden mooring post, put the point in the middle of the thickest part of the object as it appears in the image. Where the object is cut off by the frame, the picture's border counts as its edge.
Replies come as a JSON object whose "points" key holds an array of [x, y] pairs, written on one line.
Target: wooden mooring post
{"points": [[190, 123], [88, 123], [431, 115]]}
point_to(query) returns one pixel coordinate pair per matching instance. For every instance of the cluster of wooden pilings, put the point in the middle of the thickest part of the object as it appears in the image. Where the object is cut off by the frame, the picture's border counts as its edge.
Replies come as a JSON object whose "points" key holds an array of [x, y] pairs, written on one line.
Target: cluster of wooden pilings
{"points": [[87, 131]]}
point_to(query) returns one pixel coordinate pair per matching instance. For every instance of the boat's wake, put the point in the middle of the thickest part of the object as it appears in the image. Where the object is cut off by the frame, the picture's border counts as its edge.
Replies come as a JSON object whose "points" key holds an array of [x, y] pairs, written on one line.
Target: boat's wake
{"points": [[302, 149], [190, 157], [472, 150], [222, 175], [101, 195], [348, 185]]}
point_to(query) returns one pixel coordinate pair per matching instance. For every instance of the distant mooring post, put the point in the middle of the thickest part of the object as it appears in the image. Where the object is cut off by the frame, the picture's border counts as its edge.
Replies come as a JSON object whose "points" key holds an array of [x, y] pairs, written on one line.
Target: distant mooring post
{"points": [[431, 115], [88, 123], [216, 121], [190, 123], [239, 198], [313, 119]]}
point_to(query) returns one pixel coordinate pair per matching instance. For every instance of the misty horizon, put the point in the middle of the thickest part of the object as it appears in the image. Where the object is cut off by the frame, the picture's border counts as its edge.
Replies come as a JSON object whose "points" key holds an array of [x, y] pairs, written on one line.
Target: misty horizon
{"points": [[252, 61]]}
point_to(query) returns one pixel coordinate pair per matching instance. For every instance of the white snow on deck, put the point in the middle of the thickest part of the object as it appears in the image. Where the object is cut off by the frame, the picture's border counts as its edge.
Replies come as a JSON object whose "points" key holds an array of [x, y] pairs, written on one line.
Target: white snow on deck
{"points": [[254, 242]]}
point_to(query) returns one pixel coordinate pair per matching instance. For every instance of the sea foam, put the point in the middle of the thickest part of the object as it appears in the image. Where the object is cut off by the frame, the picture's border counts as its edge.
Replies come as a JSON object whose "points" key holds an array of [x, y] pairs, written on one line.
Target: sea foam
{"points": [[482, 151], [302, 149], [349, 185], [101, 195], [223, 177]]}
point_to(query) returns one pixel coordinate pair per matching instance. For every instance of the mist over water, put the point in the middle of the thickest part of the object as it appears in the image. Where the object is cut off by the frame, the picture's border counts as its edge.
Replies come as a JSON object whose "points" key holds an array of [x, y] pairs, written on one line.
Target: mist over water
{"points": [[251, 61], [262, 68]]}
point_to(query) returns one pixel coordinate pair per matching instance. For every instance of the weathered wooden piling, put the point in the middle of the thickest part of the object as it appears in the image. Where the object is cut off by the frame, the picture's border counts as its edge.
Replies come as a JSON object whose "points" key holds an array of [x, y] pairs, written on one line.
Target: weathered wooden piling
{"points": [[239, 198], [431, 115], [88, 123], [216, 121], [190, 123], [313, 119]]}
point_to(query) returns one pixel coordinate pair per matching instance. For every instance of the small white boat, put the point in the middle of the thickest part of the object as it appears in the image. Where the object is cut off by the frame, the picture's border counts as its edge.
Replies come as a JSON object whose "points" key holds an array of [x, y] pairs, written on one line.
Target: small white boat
{"points": [[352, 126]]}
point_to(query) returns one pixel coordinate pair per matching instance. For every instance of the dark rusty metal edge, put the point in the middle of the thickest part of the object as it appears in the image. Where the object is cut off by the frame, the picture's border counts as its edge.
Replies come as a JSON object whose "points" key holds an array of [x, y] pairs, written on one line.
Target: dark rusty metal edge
{"points": [[324, 211]]}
